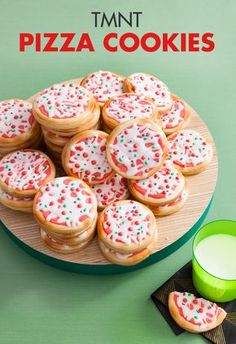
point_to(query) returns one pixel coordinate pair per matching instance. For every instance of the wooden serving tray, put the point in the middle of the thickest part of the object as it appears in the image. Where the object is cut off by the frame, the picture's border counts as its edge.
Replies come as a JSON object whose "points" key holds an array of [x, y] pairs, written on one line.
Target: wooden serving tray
{"points": [[174, 230]]}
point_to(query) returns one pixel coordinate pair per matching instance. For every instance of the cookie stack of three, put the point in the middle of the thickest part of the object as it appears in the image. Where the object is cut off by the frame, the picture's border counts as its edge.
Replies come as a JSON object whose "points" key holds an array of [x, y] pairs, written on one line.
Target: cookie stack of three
{"points": [[127, 232], [66, 210], [64, 110], [18, 128], [22, 173]]}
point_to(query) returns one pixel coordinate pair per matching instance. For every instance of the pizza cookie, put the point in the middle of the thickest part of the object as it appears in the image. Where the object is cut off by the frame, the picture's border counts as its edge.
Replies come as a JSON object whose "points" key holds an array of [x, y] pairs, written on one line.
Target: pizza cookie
{"points": [[126, 226], [173, 206], [103, 85], [23, 172], [163, 187], [137, 149], [113, 189], [177, 117], [84, 157], [66, 209], [151, 87], [63, 106], [18, 128], [64, 110], [194, 314], [127, 106], [189, 151]]}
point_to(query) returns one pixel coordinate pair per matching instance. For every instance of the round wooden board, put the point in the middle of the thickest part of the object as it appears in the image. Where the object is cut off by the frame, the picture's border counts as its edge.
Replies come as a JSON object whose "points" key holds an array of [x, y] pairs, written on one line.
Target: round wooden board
{"points": [[174, 230]]}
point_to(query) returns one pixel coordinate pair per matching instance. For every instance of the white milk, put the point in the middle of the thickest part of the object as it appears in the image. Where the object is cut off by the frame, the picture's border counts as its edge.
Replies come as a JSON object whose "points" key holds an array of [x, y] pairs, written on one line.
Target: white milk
{"points": [[217, 255]]}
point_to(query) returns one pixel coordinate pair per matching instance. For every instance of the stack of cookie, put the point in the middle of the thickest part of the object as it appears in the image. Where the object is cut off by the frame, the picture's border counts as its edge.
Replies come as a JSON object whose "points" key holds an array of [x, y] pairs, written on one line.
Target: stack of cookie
{"points": [[18, 128], [127, 232], [22, 173], [66, 209], [164, 192], [64, 110]]}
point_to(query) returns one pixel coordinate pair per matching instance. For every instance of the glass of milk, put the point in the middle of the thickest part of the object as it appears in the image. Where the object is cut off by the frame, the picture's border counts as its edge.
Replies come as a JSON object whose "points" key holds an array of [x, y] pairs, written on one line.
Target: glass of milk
{"points": [[214, 261]]}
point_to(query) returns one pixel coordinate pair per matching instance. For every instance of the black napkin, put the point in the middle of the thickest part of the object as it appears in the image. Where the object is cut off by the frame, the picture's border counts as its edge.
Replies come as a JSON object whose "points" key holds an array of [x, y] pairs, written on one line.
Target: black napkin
{"points": [[182, 281]]}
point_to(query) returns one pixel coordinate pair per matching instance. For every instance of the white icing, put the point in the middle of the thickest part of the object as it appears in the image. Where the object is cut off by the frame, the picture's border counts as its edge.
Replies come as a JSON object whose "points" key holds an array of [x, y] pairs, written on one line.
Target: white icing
{"points": [[196, 309], [137, 149], [24, 169], [15, 118], [104, 85], [162, 185], [66, 201], [129, 106], [128, 222], [151, 87], [175, 116], [87, 158], [113, 189], [189, 148], [64, 100]]}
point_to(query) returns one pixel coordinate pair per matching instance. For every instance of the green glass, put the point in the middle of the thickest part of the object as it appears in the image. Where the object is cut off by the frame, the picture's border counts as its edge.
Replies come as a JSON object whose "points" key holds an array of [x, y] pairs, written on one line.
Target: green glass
{"points": [[209, 286]]}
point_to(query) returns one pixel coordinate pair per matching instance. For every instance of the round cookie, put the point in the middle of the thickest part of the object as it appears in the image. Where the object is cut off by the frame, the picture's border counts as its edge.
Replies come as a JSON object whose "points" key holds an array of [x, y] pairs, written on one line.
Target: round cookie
{"points": [[151, 87], [126, 226], [177, 117], [160, 188], [63, 106], [189, 151], [84, 157], [24, 171], [103, 85], [16, 203], [126, 259], [63, 248], [173, 206], [128, 106], [137, 149], [17, 123], [113, 189], [65, 205]]}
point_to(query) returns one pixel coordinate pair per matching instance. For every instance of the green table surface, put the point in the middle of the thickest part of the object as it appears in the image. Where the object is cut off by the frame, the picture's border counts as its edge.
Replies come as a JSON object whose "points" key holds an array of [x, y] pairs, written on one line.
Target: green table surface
{"points": [[40, 304]]}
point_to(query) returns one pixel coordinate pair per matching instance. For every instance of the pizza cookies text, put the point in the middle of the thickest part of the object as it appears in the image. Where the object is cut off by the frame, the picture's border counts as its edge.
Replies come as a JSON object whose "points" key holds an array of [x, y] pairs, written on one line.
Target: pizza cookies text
{"points": [[113, 41]]}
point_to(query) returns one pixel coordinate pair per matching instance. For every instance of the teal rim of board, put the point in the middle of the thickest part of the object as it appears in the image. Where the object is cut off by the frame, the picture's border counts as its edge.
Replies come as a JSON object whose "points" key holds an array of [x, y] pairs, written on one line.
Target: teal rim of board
{"points": [[106, 269]]}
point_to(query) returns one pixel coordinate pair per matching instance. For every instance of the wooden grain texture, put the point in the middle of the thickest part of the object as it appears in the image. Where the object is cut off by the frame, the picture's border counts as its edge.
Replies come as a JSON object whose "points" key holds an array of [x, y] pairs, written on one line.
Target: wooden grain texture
{"points": [[170, 228]]}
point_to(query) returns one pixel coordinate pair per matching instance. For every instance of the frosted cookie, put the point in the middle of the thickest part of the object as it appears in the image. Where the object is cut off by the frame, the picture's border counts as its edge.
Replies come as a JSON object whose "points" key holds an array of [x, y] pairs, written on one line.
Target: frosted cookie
{"points": [[113, 189], [126, 226], [63, 106], [17, 123], [128, 106], [84, 157], [23, 172], [151, 87], [177, 117], [65, 205], [190, 151], [137, 149], [194, 314], [126, 259], [62, 247], [103, 85], [173, 206], [24, 204], [161, 188]]}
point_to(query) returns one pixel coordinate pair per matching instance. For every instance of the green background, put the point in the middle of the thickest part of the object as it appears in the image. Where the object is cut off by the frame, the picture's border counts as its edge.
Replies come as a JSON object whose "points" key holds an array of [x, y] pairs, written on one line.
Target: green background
{"points": [[39, 304]]}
